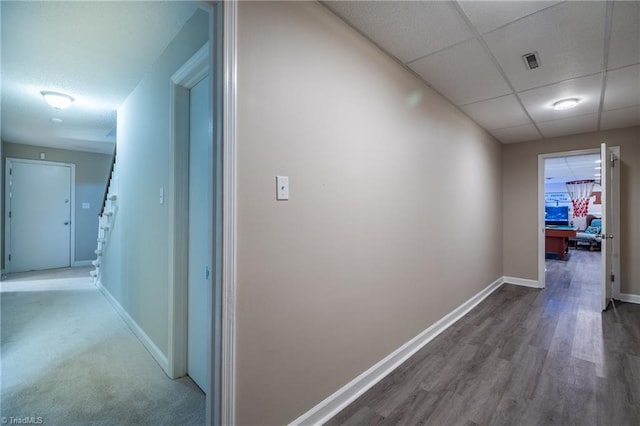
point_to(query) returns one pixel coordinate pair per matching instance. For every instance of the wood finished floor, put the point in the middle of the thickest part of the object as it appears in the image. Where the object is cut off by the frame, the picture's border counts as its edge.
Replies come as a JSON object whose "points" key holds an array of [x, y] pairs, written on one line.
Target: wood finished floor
{"points": [[521, 357]]}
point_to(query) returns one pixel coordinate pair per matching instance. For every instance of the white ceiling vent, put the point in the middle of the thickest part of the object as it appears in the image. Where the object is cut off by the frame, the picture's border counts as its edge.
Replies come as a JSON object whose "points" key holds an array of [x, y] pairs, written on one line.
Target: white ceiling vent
{"points": [[531, 60]]}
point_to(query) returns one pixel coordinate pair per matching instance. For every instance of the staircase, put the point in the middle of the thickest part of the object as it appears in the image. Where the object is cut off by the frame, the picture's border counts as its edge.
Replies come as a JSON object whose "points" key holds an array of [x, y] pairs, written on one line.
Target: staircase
{"points": [[106, 219]]}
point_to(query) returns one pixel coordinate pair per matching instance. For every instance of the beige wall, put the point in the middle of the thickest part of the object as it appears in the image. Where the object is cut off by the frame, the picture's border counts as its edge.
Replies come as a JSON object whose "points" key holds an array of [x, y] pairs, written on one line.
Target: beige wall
{"points": [[520, 174], [394, 220]]}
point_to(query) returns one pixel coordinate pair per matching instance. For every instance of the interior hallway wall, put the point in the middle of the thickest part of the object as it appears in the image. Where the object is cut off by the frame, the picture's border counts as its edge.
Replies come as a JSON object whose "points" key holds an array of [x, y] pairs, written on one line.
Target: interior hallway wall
{"points": [[394, 217], [134, 262], [92, 170], [520, 183]]}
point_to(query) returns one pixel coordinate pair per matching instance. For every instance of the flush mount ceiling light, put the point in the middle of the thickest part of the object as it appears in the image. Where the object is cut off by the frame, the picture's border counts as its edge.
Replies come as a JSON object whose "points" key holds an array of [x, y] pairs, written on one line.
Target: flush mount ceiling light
{"points": [[565, 104], [57, 100], [56, 120]]}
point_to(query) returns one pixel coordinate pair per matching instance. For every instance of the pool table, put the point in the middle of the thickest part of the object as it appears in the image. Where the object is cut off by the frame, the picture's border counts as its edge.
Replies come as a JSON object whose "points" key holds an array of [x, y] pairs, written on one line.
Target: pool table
{"points": [[556, 239]]}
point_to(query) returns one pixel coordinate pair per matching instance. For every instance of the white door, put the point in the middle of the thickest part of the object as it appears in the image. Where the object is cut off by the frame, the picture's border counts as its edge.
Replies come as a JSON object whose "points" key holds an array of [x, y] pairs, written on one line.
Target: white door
{"points": [[610, 178], [200, 220], [38, 215]]}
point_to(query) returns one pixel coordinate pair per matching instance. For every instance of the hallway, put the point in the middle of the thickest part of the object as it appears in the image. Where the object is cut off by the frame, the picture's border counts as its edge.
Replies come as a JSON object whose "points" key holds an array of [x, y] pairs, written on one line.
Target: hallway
{"points": [[68, 358], [521, 357]]}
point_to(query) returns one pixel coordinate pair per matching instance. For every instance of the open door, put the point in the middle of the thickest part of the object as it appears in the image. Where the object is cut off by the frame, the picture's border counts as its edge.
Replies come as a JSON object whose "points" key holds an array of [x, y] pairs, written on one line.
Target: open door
{"points": [[610, 175]]}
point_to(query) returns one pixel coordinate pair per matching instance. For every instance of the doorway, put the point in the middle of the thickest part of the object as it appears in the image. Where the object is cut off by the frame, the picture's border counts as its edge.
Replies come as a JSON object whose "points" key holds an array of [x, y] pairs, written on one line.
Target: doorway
{"points": [[578, 211], [39, 215], [192, 278], [199, 236], [212, 60]]}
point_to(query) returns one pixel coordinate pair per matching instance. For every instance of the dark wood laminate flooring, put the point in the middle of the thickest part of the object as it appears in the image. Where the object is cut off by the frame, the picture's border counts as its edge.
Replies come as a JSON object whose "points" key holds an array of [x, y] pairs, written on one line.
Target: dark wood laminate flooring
{"points": [[521, 357]]}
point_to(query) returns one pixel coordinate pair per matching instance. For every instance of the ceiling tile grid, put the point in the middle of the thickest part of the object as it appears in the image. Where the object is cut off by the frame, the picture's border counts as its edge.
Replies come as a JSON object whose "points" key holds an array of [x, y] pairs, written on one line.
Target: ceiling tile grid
{"points": [[483, 113], [539, 101], [569, 38], [619, 118], [569, 126], [623, 88], [463, 73], [587, 50], [469, 51], [407, 30], [487, 16], [527, 132], [574, 167], [624, 47]]}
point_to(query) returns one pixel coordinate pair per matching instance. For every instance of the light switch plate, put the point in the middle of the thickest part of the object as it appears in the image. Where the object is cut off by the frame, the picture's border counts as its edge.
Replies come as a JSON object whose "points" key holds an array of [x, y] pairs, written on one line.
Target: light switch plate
{"points": [[282, 187], [86, 205]]}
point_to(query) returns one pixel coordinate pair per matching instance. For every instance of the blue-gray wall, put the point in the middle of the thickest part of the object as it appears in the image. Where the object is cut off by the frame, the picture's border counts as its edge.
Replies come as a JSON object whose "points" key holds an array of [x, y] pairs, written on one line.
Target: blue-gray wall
{"points": [[134, 263]]}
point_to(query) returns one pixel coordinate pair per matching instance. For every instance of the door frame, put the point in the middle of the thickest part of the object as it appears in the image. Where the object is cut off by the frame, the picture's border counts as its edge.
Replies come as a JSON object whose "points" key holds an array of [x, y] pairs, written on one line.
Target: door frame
{"points": [[7, 203], [541, 191], [181, 82], [225, 112], [613, 173], [218, 58]]}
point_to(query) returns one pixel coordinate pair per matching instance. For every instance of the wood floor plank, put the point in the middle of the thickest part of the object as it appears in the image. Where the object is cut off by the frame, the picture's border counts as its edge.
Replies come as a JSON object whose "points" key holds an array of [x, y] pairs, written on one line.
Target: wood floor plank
{"points": [[521, 357], [360, 416], [414, 410], [509, 411]]}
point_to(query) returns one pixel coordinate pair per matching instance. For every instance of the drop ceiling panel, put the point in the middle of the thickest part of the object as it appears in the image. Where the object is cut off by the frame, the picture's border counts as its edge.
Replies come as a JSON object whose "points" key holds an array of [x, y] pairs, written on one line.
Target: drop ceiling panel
{"points": [[539, 102], [576, 167], [497, 113], [583, 166], [463, 73], [569, 126], [569, 38], [624, 47], [489, 15], [556, 170], [623, 88], [407, 30], [528, 132], [619, 118]]}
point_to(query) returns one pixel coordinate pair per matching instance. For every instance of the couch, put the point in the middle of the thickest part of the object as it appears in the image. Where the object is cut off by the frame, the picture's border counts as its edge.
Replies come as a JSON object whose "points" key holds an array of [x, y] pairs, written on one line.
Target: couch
{"points": [[590, 237]]}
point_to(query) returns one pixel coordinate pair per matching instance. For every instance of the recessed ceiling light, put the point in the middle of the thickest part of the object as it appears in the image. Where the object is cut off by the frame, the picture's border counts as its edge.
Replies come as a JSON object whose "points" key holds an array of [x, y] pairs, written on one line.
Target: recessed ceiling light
{"points": [[56, 120], [57, 100], [565, 104]]}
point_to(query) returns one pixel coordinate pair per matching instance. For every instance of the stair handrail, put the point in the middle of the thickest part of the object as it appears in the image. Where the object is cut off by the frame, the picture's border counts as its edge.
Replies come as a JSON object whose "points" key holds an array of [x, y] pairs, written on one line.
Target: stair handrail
{"points": [[106, 188]]}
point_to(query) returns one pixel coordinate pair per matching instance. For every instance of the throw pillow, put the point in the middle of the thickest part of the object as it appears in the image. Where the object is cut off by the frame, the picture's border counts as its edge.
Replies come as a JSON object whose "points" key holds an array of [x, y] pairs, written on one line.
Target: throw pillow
{"points": [[592, 230]]}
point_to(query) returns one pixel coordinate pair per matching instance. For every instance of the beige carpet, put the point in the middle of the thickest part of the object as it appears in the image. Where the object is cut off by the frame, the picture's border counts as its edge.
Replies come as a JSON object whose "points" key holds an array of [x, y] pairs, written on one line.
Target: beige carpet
{"points": [[68, 358]]}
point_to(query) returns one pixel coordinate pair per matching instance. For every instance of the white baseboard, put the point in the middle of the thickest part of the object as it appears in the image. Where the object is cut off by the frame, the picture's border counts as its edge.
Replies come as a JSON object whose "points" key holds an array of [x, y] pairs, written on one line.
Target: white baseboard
{"points": [[344, 396], [82, 263], [630, 298], [521, 281], [155, 352]]}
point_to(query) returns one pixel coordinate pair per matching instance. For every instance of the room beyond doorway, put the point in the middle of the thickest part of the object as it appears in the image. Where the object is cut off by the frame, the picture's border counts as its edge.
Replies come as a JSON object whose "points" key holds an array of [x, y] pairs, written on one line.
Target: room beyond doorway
{"points": [[576, 191]]}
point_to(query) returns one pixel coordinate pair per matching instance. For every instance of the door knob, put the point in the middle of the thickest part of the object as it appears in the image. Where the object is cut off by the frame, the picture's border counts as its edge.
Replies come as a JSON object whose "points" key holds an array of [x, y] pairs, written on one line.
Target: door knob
{"points": [[66, 223]]}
